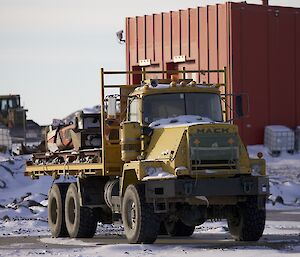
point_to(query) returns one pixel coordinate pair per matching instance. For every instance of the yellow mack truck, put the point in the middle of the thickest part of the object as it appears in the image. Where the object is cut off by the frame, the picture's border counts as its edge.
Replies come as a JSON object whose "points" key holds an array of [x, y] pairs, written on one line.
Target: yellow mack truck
{"points": [[167, 161]]}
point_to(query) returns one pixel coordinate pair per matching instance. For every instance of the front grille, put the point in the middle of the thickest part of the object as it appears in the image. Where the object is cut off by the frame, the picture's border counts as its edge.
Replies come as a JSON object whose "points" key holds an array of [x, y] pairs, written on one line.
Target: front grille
{"points": [[210, 158], [214, 152], [198, 165]]}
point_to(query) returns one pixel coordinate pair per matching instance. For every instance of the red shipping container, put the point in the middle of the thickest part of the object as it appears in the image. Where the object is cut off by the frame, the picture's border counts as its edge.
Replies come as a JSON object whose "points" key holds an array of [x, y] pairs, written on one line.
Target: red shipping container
{"points": [[259, 45]]}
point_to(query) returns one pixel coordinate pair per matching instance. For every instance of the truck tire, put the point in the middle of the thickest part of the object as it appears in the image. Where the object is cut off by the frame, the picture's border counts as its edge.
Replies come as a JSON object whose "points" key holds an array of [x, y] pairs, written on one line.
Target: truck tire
{"points": [[80, 221], [247, 221], [56, 210], [141, 224], [178, 228]]}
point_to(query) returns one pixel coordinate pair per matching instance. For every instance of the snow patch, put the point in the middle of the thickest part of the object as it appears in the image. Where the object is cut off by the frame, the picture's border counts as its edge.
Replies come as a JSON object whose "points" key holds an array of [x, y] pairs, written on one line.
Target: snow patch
{"points": [[284, 174], [180, 168], [20, 196], [157, 173], [183, 120], [66, 241], [94, 109], [24, 227]]}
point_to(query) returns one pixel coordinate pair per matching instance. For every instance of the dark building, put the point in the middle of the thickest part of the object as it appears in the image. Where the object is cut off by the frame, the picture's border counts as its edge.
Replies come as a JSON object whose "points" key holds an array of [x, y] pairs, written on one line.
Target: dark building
{"points": [[33, 132]]}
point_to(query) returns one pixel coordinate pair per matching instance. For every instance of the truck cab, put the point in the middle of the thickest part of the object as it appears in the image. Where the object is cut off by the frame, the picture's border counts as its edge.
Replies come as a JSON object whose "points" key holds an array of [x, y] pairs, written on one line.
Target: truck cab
{"points": [[188, 162]]}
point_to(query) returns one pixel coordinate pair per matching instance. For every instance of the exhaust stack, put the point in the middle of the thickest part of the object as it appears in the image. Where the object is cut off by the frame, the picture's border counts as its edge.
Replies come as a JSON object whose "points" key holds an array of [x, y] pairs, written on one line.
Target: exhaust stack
{"points": [[265, 2]]}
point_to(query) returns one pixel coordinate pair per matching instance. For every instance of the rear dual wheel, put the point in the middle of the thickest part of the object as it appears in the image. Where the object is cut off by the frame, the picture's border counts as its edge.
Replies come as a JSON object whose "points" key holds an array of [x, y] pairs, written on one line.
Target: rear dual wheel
{"points": [[56, 210], [80, 221], [65, 215]]}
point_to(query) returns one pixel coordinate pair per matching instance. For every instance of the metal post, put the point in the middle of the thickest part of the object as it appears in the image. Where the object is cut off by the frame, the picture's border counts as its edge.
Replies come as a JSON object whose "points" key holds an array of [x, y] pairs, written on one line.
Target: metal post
{"points": [[208, 76], [225, 91], [143, 74], [24, 126], [225, 78], [102, 116]]}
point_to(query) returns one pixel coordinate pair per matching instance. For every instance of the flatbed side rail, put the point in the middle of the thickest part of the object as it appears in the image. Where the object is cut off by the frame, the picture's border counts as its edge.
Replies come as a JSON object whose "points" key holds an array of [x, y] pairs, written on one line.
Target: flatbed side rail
{"points": [[169, 72], [71, 169]]}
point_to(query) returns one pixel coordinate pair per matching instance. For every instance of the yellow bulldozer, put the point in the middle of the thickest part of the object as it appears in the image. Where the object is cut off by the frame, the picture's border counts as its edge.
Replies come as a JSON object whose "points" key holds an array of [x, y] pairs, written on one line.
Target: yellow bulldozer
{"points": [[13, 116]]}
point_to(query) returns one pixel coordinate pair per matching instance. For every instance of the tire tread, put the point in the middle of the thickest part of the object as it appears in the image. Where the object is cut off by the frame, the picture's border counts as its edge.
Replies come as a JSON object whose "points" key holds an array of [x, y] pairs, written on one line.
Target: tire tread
{"points": [[86, 224], [62, 188], [149, 221], [252, 221]]}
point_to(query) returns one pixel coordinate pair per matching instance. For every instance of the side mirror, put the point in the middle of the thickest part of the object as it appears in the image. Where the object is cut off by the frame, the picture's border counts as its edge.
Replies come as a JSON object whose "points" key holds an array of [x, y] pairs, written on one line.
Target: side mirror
{"points": [[79, 120], [239, 106], [147, 131], [111, 107], [240, 103]]}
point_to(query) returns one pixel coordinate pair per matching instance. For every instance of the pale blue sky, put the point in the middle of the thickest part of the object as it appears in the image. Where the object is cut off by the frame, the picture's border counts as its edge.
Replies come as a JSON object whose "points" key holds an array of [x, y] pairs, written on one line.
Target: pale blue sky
{"points": [[51, 51]]}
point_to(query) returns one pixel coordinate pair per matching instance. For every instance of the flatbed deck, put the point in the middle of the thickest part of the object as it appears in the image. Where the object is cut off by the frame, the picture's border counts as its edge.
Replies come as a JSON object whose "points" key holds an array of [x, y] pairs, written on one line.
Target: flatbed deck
{"points": [[86, 162], [74, 169]]}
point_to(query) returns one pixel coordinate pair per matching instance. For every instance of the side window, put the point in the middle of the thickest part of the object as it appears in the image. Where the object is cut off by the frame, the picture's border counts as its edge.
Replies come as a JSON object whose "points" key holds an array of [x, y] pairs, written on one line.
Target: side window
{"points": [[4, 105], [133, 114], [10, 103]]}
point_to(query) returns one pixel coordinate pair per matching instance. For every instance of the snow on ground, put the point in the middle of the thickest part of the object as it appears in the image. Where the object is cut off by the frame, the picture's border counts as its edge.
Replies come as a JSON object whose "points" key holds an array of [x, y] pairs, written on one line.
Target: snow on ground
{"points": [[223, 245], [21, 197], [284, 174], [154, 250]]}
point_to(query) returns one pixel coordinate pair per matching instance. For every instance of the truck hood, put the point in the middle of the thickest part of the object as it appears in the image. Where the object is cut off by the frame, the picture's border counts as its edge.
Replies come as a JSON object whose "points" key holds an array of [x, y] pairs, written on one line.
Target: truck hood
{"points": [[168, 133], [201, 147]]}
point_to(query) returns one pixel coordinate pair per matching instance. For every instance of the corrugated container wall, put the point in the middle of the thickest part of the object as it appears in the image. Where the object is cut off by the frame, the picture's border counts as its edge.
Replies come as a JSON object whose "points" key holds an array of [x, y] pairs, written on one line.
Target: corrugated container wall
{"points": [[259, 45]]}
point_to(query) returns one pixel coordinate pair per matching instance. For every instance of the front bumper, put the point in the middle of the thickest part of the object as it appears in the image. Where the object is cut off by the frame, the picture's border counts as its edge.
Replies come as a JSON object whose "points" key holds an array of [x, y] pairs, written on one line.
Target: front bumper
{"points": [[210, 187]]}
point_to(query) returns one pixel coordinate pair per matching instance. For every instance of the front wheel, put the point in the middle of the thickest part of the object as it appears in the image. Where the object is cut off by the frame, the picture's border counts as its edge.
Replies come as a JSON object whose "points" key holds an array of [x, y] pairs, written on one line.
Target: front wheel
{"points": [[141, 224], [247, 221]]}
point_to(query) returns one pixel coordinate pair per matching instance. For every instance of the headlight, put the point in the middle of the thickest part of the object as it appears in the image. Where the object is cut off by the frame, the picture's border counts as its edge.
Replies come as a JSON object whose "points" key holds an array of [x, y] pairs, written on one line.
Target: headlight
{"points": [[256, 169]]}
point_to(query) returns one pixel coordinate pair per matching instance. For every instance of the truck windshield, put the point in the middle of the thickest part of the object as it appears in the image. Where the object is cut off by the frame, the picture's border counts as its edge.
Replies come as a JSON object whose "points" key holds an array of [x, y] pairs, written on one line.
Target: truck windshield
{"points": [[176, 104]]}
